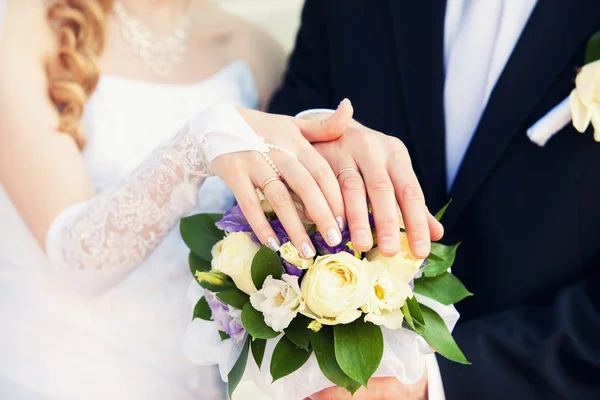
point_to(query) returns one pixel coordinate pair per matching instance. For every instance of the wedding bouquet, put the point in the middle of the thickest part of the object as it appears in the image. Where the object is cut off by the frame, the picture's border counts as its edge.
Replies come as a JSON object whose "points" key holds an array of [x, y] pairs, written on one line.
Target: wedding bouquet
{"points": [[341, 308]]}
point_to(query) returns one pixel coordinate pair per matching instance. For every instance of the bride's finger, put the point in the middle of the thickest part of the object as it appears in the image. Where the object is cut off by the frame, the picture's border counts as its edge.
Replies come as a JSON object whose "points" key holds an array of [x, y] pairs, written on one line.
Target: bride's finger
{"points": [[304, 186], [324, 130], [277, 194]]}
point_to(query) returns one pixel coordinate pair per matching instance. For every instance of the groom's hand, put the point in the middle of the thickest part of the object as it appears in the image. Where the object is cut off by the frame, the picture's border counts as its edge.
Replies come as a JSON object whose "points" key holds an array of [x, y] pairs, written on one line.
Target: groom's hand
{"points": [[368, 162], [379, 389]]}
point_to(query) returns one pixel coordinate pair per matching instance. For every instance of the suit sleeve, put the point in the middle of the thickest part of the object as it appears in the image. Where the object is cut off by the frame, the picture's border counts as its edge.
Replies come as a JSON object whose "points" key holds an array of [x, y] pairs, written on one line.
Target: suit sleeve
{"points": [[543, 352], [307, 81]]}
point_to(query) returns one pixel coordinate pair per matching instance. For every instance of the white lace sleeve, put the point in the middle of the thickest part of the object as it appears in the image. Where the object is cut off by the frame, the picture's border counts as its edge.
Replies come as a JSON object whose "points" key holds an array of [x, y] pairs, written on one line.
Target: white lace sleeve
{"points": [[102, 240]]}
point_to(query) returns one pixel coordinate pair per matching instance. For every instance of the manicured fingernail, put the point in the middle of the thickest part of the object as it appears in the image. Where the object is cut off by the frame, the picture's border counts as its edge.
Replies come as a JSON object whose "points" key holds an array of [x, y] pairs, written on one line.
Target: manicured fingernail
{"points": [[362, 238], [388, 244], [307, 250], [333, 237], [272, 243], [340, 223], [421, 248]]}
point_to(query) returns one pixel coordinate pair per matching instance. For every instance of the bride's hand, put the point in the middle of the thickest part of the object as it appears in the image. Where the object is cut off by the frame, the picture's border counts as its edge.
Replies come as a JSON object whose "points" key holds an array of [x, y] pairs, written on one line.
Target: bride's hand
{"points": [[303, 170]]}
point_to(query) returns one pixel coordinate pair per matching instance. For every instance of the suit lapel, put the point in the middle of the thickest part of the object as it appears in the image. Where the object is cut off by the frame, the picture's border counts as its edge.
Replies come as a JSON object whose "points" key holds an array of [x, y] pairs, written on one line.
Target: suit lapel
{"points": [[555, 31], [419, 35]]}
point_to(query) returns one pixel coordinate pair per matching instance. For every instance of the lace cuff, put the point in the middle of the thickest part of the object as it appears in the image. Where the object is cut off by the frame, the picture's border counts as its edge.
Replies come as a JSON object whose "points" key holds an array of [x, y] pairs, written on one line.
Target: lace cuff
{"points": [[116, 230]]}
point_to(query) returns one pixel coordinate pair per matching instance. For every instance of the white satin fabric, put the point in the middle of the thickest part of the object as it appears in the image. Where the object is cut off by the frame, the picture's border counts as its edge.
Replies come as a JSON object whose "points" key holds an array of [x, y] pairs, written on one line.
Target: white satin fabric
{"points": [[56, 343]]}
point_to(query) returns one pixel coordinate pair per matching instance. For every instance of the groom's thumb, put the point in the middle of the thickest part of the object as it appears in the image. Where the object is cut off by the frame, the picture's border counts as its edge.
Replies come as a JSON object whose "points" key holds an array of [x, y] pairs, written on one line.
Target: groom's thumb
{"points": [[316, 128]]}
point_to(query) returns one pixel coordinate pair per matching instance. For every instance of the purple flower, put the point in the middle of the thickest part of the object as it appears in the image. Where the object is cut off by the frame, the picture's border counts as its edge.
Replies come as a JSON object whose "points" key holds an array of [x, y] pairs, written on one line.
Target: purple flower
{"points": [[234, 221], [323, 248], [227, 318], [291, 269]]}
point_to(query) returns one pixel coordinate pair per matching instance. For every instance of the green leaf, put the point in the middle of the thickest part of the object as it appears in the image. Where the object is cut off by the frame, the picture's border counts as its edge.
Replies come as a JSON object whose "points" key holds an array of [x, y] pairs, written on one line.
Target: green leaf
{"points": [[236, 373], [298, 331], [441, 213], [202, 310], [415, 310], [197, 264], [358, 349], [438, 336], [440, 259], [214, 280], [200, 233], [234, 297], [223, 335], [258, 350], [254, 323], [413, 324], [287, 358], [445, 288], [266, 262], [322, 343], [592, 52]]}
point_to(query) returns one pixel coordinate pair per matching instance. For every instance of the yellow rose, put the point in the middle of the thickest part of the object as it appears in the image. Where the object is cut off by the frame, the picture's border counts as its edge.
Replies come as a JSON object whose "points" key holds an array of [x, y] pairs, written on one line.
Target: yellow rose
{"points": [[335, 288], [290, 254], [233, 256], [585, 99]]}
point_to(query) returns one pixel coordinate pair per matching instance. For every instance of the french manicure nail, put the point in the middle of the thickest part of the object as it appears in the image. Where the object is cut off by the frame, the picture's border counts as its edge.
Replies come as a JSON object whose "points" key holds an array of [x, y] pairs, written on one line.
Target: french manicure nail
{"points": [[272, 243], [340, 223], [333, 236], [307, 250]]}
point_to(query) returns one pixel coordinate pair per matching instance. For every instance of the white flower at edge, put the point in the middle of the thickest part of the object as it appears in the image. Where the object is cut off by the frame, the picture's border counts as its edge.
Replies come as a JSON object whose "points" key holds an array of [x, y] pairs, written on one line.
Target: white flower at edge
{"points": [[335, 288], [585, 99], [391, 277], [290, 254], [233, 256], [279, 301]]}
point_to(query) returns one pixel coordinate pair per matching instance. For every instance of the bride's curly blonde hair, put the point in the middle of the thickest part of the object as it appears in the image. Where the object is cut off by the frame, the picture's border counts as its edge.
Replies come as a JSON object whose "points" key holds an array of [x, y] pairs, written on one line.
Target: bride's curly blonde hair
{"points": [[73, 72]]}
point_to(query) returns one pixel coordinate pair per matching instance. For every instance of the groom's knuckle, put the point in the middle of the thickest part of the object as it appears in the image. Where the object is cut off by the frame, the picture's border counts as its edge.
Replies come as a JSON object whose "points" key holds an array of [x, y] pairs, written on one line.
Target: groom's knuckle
{"points": [[352, 183], [380, 184], [412, 192]]}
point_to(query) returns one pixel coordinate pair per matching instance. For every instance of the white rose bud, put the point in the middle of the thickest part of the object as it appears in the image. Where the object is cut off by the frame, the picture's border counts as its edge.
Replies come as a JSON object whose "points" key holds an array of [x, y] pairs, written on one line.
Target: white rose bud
{"points": [[279, 301], [233, 256], [404, 261], [585, 99], [290, 254], [335, 288]]}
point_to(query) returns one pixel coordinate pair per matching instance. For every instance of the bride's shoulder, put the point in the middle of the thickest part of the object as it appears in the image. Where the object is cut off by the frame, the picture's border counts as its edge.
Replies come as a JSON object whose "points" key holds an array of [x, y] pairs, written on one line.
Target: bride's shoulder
{"points": [[254, 44], [25, 30]]}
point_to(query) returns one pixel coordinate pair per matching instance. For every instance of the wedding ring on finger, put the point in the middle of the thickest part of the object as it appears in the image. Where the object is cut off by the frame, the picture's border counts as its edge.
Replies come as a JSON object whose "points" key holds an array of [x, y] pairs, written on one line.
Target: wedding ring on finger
{"points": [[346, 170], [270, 180]]}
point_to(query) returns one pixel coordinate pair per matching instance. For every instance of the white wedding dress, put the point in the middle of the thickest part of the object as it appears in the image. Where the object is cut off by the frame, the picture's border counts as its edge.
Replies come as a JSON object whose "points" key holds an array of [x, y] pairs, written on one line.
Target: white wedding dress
{"points": [[57, 342]]}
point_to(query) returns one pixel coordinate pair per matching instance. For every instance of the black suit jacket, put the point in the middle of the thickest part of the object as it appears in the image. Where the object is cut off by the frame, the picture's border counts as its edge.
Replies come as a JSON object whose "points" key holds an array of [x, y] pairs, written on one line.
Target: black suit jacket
{"points": [[528, 217]]}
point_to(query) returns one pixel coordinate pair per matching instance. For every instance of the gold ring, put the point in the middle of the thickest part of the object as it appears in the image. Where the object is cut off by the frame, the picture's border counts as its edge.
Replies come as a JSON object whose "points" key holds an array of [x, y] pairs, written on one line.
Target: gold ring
{"points": [[346, 169], [270, 180]]}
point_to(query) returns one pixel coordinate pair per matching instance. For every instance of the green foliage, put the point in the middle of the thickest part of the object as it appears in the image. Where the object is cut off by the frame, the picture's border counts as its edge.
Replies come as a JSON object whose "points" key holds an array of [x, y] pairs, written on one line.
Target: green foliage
{"points": [[322, 343], [441, 213], [254, 323], [445, 288], [266, 262], [298, 331], [358, 349], [202, 310], [214, 280], [287, 358], [234, 297], [438, 336], [440, 259], [592, 52], [258, 347], [200, 233], [236, 373]]}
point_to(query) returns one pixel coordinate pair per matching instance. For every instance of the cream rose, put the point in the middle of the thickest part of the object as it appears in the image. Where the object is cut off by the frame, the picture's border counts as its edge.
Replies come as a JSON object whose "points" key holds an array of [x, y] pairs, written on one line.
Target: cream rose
{"points": [[233, 256], [335, 288], [585, 99], [390, 291], [404, 262], [279, 301], [290, 254]]}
